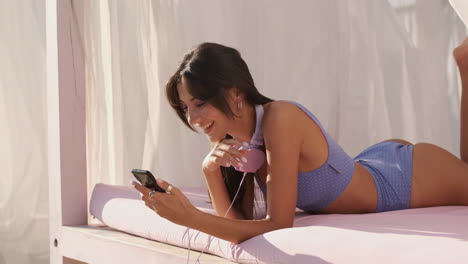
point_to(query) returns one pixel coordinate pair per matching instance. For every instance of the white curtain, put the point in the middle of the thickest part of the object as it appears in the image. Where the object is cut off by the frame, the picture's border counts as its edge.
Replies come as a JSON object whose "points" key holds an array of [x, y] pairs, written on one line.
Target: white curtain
{"points": [[370, 70], [23, 148]]}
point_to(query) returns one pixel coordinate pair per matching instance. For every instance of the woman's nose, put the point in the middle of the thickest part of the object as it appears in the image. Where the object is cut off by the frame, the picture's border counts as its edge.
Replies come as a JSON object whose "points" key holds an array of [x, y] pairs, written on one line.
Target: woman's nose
{"points": [[193, 117]]}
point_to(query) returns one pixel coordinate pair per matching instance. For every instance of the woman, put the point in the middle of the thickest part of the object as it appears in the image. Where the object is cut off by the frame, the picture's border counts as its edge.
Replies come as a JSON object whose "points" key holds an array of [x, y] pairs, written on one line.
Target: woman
{"points": [[212, 89]]}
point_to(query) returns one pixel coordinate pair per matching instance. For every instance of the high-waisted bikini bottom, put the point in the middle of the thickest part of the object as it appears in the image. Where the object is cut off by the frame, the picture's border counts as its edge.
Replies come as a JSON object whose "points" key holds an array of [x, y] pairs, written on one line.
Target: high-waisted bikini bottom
{"points": [[390, 164]]}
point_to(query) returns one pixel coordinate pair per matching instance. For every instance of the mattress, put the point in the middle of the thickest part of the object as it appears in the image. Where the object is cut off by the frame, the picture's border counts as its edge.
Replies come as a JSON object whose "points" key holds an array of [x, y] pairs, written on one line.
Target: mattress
{"points": [[426, 235]]}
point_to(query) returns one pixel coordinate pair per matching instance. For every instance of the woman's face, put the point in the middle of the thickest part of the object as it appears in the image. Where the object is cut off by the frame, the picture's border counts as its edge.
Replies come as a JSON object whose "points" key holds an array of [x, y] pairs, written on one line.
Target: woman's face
{"points": [[213, 122]]}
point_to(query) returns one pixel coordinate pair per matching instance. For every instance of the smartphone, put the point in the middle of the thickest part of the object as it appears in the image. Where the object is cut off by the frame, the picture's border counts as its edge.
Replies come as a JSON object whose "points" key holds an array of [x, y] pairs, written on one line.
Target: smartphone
{"points": [[147, 179]]}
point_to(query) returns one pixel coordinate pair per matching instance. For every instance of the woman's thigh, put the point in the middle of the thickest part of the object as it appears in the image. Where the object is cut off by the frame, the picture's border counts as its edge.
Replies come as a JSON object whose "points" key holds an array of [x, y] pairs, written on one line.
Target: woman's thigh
{"points": [[439, 177]]}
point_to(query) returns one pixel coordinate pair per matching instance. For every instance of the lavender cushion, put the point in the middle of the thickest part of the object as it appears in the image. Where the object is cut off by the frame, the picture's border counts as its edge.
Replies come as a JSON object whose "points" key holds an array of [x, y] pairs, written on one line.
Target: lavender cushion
{"points": [[428, 235]]}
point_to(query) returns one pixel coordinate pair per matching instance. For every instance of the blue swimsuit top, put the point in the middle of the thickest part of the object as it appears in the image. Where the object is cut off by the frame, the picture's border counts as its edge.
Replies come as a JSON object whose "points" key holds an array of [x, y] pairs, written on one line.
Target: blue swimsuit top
{"points": [[319, 188]]}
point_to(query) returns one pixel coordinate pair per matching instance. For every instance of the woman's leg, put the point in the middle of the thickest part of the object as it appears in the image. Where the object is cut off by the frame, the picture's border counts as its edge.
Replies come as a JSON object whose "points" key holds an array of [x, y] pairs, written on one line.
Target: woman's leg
{"points": [[461, 57], [439, 177]]}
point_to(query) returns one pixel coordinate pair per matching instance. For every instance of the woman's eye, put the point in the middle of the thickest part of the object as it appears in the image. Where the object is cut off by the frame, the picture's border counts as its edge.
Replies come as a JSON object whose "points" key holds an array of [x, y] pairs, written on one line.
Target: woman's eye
{"points": [[199, 103]]}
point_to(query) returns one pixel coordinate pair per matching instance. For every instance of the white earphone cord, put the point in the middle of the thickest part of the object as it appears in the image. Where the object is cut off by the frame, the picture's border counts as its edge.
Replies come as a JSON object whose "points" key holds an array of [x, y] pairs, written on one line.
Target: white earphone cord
{"points": [[211, 238]]}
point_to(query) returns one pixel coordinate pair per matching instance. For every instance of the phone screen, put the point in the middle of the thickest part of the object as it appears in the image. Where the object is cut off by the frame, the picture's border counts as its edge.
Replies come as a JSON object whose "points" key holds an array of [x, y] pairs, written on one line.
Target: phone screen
{"points": [[147, 179]]}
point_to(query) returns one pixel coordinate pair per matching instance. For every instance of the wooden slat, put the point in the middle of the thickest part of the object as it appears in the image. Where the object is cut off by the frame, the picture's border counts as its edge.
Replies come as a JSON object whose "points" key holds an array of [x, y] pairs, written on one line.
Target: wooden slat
{"points": [[66, 123], [106, 245]]}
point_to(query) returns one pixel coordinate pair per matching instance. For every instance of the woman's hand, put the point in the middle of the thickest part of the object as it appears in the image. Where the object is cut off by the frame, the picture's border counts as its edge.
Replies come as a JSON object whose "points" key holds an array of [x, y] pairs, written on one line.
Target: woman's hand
{"points": [[173, 205], [225, 153]]}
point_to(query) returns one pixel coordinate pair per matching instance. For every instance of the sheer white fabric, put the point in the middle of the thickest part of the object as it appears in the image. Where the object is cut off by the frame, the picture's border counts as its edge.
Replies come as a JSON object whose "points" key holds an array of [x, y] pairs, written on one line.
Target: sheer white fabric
{"points": [[461, 8], [23, 148], [369, 70]]}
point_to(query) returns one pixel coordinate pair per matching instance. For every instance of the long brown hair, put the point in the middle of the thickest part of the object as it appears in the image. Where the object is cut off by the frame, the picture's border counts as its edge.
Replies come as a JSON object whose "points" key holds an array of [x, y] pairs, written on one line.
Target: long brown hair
{"points": [[210, 70]]}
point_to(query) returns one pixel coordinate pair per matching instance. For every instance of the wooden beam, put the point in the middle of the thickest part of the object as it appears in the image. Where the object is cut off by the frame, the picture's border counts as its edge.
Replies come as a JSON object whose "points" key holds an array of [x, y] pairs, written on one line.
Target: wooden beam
{"points": [[66, 123], [93, 244], [72, 241]]}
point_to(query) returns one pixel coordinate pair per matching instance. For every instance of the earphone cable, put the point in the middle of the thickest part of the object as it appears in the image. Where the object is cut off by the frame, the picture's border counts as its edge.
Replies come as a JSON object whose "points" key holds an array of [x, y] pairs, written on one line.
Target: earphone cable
{"points": [[211, 237]]}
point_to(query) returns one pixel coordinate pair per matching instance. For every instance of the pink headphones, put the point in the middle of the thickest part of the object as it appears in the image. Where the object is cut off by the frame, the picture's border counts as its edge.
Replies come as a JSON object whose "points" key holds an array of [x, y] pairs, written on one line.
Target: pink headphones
{"points": [[256, 150]]}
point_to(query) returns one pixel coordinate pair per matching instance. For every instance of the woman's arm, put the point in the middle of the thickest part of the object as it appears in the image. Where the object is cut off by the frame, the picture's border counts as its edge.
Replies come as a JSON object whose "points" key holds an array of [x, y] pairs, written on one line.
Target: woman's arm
{"points": [[177, 208], [219, 195], [283, 137], [225, 153], [283, 133], [233, 230]]}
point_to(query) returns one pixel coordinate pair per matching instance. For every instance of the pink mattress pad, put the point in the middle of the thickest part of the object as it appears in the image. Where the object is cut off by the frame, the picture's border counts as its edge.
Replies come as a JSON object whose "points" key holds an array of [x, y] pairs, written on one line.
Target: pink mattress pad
{"points": [[426, 235]]}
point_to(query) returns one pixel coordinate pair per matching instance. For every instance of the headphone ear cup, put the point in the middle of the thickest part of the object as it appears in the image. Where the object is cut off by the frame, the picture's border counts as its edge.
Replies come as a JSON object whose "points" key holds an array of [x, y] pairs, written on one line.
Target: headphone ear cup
{"points": [[255, 159]]}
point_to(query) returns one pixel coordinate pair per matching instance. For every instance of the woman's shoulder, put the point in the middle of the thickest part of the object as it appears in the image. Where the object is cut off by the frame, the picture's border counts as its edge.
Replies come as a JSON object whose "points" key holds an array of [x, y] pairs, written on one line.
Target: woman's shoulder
{"points": [[281, 113], [281, 109], [280, 106], [291, 115]]}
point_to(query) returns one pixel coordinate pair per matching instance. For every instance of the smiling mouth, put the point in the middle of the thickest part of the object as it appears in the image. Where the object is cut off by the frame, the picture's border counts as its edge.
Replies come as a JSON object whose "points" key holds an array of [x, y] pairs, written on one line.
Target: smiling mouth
{"points": [[207, 128]]}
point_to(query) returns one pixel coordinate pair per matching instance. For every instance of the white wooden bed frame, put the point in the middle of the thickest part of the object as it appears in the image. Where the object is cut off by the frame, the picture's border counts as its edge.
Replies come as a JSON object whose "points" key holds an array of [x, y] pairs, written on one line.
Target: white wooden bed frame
{"points": [[72, 240]]}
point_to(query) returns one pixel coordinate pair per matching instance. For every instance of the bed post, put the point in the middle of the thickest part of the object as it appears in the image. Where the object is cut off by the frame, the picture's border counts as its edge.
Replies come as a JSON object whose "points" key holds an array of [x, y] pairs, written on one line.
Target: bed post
{"points": [[66, 134]]}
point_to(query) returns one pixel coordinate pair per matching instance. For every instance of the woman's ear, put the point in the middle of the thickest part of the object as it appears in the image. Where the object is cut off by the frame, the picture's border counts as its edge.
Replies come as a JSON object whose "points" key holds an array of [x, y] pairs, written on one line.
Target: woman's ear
{"points": [[235, 101], [236, 95]]}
